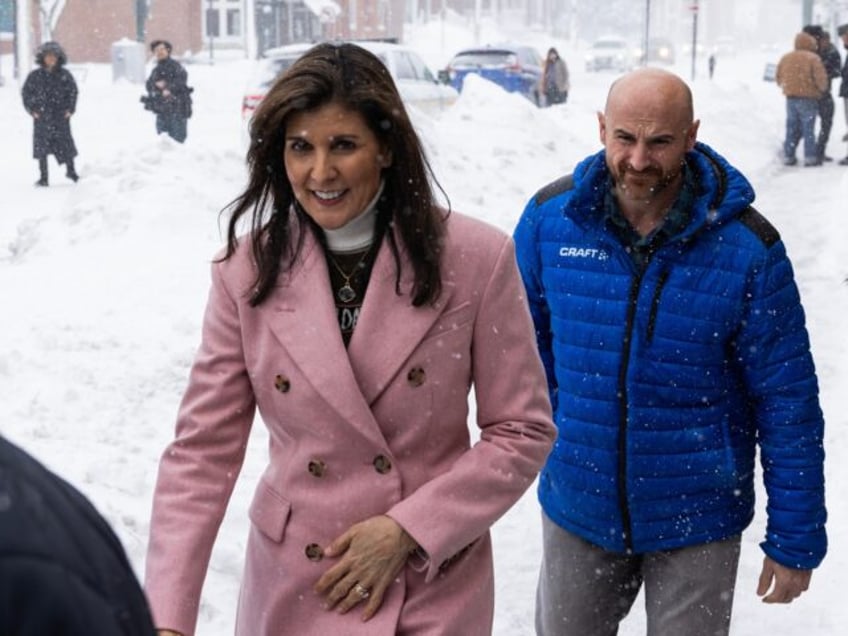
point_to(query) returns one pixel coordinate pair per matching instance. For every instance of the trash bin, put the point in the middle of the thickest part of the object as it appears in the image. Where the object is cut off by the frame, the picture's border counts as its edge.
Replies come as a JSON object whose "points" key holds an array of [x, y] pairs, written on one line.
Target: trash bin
{"points": [[128, 60]]}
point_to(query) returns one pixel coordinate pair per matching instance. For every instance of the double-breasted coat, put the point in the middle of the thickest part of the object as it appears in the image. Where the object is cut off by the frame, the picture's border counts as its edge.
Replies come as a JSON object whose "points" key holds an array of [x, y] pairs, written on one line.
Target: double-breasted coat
{"points": [[52, 95], [379, 428]]}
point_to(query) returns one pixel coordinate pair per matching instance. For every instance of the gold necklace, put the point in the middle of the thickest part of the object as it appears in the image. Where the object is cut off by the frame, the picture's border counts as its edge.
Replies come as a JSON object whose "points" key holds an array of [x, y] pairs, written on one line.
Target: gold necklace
{"points": [[346, 293]]}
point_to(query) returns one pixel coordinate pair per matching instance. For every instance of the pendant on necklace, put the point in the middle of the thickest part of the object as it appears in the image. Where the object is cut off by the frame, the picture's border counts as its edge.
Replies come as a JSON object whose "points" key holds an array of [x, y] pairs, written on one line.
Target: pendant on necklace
{"points": [[346, 293]]}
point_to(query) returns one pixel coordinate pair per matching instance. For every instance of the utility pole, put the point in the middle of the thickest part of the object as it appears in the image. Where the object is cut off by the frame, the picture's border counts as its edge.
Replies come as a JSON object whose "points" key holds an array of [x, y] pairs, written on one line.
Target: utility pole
{"points": [[140, 19], [23, 38], [477, 17], [250, 47], [807, 12], [694, 9], [646, 38], [212, 18]]}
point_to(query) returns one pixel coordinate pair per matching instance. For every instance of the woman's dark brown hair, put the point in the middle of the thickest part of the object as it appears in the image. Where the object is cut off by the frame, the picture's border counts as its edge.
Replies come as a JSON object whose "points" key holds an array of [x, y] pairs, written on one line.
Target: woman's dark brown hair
{"points": [[349, 75]]}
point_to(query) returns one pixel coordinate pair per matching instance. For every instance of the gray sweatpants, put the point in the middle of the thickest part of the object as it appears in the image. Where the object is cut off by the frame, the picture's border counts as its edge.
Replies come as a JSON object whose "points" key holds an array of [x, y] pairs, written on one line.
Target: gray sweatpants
{"points": [[585, 590]]}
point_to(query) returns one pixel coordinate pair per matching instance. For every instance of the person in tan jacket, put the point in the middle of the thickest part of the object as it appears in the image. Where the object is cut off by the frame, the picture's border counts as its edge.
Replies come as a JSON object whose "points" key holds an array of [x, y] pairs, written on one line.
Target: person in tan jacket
{"points": [[803, 78]]}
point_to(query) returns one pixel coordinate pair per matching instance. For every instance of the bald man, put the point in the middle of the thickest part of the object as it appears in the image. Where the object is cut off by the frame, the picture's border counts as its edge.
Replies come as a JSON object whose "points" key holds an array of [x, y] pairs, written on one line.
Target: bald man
{"points": [[674, 343]]}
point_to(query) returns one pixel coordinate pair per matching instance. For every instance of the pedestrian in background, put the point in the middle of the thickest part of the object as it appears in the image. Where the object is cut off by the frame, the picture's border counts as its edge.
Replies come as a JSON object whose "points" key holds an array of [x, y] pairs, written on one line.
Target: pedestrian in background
{"points": [[802, 77], [711, 63], [675, 348], [168, 93], [826, 107], [50, 97], [842, 31], [555, 82]]}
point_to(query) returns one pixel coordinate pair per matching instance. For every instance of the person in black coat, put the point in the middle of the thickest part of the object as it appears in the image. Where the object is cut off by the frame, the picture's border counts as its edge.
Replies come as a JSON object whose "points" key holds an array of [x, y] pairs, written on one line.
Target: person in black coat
{"points": [[842, 31], [830, 58], [63, 571], [168, 94], [50, 97]]}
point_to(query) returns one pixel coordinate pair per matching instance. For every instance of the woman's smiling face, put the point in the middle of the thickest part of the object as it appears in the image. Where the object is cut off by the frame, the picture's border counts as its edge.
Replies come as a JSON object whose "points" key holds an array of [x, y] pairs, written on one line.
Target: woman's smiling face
{"points": [[334, 162]]}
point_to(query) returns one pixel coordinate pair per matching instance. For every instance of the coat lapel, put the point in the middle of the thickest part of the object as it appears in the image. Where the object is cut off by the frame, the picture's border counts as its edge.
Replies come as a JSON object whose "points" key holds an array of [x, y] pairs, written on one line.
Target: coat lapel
{"points": [[303, 317], [389, 327]]}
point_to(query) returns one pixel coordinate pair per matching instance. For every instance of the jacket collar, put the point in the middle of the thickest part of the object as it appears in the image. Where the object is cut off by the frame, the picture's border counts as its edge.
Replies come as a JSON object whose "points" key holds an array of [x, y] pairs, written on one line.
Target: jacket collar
{"points": [[721, 192]]}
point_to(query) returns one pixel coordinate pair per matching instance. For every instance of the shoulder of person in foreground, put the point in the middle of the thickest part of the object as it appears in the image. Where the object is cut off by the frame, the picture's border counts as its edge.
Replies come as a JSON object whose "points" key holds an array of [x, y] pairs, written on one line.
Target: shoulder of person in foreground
{"points": [[62, 568]]}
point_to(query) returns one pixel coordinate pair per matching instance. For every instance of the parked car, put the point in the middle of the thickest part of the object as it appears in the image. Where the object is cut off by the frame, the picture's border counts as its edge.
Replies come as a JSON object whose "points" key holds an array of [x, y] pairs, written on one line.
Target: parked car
{"points": [[660, 51], [417, 84], [271, 65], [514, 67], [609, 53]]}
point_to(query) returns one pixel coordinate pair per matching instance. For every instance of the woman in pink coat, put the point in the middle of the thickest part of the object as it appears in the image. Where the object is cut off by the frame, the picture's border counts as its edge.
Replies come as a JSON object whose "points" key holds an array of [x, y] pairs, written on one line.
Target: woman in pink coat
{"points": [[356, 315]]}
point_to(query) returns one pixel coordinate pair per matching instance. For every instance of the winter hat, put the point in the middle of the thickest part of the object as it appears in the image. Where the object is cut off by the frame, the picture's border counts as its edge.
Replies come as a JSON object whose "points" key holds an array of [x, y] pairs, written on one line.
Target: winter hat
{"points": [[842, 29], [50, 48]]}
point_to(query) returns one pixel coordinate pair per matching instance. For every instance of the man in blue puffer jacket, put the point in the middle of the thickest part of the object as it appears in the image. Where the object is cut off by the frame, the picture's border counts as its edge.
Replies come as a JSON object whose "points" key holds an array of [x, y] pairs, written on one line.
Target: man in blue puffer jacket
{"points": [[674, 342]]}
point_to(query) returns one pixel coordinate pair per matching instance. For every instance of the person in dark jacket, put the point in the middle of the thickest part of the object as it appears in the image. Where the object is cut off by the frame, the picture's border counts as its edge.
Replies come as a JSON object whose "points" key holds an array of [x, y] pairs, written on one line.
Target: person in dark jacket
{"points": [[842, 31], [63, 572], [50, 97], [168, 93], [831, 61], [673, 338]]}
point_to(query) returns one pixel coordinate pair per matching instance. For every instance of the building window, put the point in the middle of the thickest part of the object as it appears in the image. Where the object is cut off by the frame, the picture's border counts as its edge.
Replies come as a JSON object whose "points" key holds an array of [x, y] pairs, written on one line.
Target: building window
{"points": [[7, 16], [213, 27], [234, 22], [223, 19]]}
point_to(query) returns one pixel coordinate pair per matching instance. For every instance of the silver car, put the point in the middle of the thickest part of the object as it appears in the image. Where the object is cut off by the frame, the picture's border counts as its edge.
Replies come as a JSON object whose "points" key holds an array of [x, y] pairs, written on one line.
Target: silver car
{"points": [[416, 83]]}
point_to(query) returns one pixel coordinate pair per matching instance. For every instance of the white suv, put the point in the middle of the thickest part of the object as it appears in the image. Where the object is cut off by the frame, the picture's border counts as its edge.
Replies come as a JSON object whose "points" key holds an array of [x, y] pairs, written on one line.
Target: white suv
{"points": [[416, 83], [610, 53]]}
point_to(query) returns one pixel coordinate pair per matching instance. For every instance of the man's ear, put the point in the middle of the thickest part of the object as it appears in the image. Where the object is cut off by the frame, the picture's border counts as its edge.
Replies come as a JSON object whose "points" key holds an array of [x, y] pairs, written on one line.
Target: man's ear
{"points": [[602, 128], [692, 134]]}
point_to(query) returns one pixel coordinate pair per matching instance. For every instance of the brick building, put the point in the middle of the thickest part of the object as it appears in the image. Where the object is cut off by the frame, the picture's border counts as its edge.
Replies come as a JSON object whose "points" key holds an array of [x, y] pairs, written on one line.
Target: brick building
{"points": [[88, 28]]}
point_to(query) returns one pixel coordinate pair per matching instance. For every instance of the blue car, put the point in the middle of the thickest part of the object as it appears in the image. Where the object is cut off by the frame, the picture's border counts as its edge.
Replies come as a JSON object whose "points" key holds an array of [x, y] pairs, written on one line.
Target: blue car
{"points": [[515, 68]]}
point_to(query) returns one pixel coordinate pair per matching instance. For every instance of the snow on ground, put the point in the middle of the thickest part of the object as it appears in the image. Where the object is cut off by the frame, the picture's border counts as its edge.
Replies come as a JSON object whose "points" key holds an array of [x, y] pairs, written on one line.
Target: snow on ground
{"points": [[104, 282]]}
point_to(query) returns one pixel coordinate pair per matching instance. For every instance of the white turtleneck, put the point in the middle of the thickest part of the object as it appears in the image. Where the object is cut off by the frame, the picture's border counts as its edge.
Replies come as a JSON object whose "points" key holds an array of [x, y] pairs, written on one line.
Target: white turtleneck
{"points": [[358, 233]]}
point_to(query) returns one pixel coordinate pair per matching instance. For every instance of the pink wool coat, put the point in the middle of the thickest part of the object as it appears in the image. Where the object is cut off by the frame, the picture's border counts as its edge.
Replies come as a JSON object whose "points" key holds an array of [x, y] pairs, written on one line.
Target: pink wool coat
{"points": [[377, 429]]}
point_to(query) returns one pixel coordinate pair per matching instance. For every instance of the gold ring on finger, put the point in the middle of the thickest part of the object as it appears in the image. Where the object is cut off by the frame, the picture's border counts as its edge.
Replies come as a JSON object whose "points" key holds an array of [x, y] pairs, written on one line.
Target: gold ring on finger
{"points": [[363, 591]]}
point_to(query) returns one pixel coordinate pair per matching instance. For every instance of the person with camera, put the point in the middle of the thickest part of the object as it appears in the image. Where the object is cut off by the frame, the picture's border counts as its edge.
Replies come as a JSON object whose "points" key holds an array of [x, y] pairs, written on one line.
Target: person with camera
{"points": [[168, 93]]}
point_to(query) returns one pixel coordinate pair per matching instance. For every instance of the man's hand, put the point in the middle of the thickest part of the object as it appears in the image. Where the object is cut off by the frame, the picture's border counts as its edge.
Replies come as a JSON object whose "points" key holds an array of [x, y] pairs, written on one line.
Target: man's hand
{"points": [[789, 583], [371, 554]]}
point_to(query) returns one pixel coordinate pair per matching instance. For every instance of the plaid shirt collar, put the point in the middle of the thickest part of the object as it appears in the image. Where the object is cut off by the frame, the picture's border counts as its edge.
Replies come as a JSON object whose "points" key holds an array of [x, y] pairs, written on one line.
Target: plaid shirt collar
{"points": [[678, 217]]}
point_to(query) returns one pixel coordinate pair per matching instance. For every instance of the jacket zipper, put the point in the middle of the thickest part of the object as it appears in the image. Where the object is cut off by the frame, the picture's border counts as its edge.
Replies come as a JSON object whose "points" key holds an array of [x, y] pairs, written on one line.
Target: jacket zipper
{"points": [[623, 414], [655, 304]]}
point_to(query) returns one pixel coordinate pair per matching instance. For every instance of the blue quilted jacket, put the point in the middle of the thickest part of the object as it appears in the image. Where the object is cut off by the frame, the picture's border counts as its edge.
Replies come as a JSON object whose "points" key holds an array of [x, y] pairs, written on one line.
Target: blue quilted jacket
{"points": [[664, 382]]}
